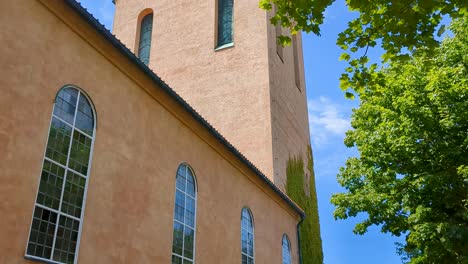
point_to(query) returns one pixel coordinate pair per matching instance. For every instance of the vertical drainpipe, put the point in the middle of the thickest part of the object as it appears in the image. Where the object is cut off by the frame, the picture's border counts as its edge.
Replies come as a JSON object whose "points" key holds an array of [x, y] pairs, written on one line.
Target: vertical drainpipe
{"points": [[299, 252]]}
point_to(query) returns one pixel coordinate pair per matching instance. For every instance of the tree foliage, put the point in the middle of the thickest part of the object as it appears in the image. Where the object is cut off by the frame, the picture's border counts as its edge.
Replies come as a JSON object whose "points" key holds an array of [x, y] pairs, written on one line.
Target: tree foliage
{"points": [[400, 27], [411, 130]]}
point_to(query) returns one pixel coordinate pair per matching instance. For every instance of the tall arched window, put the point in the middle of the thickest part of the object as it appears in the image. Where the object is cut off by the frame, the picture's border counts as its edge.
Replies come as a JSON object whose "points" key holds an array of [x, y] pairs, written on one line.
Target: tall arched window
{"points": [[183, 244], [286, 250], [225, 9], [247, 237], [144, 46], [58, 211]]}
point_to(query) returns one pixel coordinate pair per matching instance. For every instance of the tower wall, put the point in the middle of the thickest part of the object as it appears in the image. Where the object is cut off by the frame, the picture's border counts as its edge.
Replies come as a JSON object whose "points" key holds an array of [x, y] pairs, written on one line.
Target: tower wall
{"points": [[229, 87], [289, 114], [244, 91]]}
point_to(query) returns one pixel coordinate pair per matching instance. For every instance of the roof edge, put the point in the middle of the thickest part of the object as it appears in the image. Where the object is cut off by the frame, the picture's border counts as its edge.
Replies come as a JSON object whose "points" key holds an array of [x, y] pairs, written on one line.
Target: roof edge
{"points": [[91, 20]]}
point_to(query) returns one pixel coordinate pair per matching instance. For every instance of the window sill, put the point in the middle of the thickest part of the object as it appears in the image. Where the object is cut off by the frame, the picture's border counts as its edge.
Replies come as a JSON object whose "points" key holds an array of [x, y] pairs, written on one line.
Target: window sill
{"points": [[225, 46], [38, 259]]}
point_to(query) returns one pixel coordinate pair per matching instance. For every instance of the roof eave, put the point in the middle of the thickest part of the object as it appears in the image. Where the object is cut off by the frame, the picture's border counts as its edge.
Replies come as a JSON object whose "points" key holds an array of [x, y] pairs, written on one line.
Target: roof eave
{"points": [[145, 69]]}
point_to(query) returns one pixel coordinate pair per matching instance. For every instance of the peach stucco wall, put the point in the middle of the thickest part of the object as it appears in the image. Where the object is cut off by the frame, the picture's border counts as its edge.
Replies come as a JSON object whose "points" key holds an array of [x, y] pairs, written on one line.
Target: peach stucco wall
{"points": [[142, 137], [230, 87]]}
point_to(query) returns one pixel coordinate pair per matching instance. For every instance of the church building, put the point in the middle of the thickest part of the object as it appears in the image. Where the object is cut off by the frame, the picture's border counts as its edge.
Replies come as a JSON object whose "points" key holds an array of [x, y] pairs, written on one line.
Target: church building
{"points": [[169, 140]]}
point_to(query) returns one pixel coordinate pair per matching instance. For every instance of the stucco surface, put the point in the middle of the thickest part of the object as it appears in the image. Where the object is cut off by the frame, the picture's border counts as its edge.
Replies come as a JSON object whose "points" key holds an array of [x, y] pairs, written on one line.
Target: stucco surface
{"points": [[142, 137]]}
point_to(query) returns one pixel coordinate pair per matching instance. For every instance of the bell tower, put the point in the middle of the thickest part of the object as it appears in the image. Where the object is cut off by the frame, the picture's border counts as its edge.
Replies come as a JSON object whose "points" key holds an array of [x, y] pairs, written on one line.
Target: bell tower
{"points": [[221, 56]]}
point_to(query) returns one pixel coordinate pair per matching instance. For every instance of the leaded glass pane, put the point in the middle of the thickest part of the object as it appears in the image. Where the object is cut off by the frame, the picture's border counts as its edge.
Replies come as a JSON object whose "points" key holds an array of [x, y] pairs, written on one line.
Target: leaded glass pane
{"points": [[176, 260], [225, 9], [59, 141], [42, 233], [144, 46], [65, 243], [190, 212], [190, 184], [177, 244], [181, 180], [73, 194], [65, 104], [244, 240], [244, 259], [247, 220], [179, 206], [79, 155], [188, 242], [250, 244], [50, 187], [84, 116]]}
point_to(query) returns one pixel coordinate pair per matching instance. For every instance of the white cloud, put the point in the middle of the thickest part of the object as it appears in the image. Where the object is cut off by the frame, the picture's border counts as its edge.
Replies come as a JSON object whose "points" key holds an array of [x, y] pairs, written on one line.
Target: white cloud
{"points": [[327, 120]]}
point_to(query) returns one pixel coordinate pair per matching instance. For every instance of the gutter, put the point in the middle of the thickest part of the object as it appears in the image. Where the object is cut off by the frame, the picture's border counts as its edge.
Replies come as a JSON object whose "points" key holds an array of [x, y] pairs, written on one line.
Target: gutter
{"points": [[105, 33], [299, 251]]}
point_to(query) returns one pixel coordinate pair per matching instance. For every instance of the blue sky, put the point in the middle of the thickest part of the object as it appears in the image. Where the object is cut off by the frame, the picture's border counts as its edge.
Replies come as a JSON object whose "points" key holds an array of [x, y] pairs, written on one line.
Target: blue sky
{"points": [[329, 115]]}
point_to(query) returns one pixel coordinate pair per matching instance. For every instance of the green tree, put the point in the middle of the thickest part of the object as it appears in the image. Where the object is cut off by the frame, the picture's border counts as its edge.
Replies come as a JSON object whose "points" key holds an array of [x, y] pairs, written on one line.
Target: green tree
{"points": [[400, 27], [411, 131]]}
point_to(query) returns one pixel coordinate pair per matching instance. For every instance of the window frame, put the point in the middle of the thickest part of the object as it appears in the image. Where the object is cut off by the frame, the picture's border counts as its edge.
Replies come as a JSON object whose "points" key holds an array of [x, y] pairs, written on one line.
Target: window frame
{"points": [[247, 209], [174, 220], [219, 46], [141, 18], [65, 167]]}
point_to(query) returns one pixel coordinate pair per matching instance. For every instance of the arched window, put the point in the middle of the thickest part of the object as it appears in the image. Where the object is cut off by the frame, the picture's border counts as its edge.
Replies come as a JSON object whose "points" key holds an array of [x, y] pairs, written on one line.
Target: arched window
{"points": [[183, 244], [225, 9], [144, 46], [247, 237], [286, 250], [58, 211]]}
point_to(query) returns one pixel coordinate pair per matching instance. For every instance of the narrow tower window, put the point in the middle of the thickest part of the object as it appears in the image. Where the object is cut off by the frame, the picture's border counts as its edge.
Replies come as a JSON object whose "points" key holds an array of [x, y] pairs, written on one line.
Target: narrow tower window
{"points": [[278, 32], [58, 211], [286, 250], [183, 245], [297, 75], [247, 237], [144, 46], [225, 9]]}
